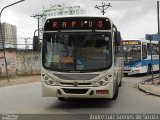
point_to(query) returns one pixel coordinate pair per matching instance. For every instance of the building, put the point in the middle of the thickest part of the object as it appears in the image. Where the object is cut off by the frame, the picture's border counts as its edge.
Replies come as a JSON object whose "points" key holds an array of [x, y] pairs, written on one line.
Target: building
{"points": [[60, 10], [9, 33]]}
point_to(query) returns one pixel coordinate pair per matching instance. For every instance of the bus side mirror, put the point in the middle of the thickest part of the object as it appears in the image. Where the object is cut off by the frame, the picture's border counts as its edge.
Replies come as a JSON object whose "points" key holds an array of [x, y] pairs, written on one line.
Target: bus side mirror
{"points": [[117, 38], [35, 43]]}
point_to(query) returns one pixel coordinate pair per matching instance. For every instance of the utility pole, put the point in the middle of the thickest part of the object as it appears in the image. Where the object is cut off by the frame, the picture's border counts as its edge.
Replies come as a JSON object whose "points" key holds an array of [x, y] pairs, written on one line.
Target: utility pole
{"points": [[103, 7], [158, 33], [38, 17]]}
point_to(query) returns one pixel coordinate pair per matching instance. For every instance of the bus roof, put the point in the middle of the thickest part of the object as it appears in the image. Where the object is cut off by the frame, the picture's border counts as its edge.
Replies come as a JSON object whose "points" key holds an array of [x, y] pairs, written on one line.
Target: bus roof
{"points": [[84, 15]]}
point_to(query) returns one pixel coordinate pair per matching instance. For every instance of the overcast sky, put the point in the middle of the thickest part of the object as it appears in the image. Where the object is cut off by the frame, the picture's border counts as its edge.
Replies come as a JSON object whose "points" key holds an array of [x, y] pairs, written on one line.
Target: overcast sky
{"points": [[134, 18]]}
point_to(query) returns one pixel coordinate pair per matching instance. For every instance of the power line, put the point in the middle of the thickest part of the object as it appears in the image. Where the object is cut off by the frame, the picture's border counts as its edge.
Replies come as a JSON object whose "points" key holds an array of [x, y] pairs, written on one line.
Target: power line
{"points": [[38, 17]]}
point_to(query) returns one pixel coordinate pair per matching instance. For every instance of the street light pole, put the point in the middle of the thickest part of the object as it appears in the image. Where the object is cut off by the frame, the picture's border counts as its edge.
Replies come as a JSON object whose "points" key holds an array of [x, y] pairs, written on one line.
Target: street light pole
{"points": [[3, 41]]}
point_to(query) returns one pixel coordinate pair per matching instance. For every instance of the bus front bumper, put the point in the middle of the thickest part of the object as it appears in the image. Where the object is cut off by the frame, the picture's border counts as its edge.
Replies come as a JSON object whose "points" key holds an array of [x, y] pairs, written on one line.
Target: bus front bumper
{"points": [[77, 92], [133, 70]]}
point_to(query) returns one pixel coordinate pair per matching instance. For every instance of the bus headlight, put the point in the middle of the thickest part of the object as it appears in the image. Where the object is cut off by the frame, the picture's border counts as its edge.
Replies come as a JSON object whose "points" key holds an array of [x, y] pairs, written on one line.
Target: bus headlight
{"points": [[46, 77], [48, 80], [138, 65], [102, 82]]}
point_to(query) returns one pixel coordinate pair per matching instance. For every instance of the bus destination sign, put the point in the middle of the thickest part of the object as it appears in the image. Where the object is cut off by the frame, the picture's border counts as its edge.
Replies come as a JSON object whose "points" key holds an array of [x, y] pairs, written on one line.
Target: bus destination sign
{"points": [[131, 42], [77, 23]]}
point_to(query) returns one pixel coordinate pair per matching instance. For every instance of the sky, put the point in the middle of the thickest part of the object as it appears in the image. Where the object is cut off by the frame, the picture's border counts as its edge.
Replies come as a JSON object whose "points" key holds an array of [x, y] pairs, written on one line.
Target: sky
{"points": [[133, 18]]}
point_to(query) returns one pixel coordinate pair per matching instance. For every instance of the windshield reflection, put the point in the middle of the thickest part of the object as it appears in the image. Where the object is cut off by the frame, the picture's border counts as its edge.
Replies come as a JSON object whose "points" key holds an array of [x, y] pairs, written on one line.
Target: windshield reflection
{"points": [[132, 53], [78, 51]]}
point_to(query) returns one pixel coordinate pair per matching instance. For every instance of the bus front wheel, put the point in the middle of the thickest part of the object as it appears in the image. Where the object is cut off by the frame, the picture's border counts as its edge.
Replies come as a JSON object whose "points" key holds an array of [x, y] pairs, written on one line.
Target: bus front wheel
{"points": [[125, 74], [116, 92], [61, 99]]}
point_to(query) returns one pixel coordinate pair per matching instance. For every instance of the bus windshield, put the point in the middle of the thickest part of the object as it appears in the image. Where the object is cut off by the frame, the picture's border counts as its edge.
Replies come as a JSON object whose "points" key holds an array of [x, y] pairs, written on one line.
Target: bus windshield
{"points": [[77, 51], [132, 53]]}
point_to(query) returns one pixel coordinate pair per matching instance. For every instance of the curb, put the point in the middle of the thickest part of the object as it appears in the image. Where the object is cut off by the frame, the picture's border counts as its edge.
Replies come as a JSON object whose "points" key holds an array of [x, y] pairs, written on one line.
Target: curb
{"points": [[140, 87]]}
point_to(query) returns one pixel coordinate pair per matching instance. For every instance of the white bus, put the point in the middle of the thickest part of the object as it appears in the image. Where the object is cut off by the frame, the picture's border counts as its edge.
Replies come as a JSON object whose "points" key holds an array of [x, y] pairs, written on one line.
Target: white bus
{"points": [[137, 56], [80, 58]]}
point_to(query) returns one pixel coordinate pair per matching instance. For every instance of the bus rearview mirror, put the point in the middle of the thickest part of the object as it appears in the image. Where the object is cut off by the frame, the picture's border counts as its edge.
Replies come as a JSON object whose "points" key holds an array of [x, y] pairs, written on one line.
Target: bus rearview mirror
{"points": [[117, 38]]}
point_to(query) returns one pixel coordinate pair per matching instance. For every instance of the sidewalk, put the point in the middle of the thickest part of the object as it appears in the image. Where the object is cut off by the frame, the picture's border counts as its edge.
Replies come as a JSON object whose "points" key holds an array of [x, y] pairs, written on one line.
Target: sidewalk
{"points": [[19, 80], [150, 88]]}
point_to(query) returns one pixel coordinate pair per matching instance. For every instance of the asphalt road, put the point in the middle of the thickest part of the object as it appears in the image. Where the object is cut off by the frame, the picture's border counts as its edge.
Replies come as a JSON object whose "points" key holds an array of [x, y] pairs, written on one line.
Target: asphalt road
{"points": [[27, 99]]}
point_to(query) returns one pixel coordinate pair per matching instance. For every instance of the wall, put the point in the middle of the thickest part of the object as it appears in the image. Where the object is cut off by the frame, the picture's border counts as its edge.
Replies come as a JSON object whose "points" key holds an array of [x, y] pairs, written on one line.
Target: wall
{"points": [[11, 62], [20, 62], [28, 62]]}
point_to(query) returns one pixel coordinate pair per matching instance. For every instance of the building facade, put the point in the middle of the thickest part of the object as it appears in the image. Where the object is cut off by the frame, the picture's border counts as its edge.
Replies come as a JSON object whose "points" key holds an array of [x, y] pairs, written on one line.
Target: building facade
{"points": [[9, 33], [60, 10]]}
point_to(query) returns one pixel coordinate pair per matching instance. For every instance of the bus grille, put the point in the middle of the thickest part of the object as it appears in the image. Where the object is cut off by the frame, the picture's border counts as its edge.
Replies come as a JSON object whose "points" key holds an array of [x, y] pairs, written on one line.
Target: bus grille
{"points": [[75, 91], [79, 84], [76, 76]]}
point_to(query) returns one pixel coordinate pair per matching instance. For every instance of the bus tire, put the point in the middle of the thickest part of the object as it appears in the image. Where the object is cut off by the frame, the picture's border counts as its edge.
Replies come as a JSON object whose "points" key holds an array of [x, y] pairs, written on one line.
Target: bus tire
{"points": [[120, 84], [149, 70], [61, 99], [125, 74], [115, 92]]}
